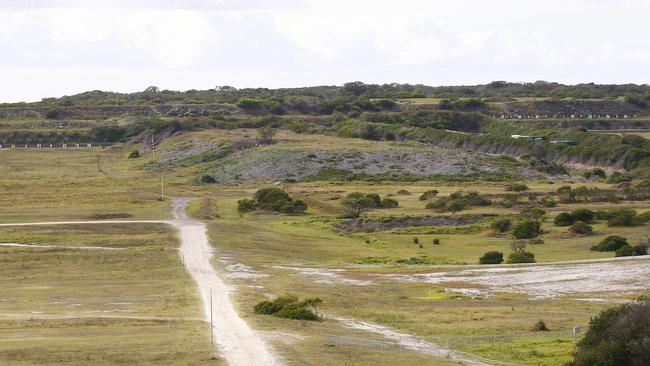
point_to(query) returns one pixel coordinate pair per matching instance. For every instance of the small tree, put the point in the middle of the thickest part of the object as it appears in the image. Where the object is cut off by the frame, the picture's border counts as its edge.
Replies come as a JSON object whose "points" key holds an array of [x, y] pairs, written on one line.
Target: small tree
{"points": [[134, 154], [265, 134], [492, 257], [519, 253], [540, 326], [246, 205], [527, 230], [356, 203]]}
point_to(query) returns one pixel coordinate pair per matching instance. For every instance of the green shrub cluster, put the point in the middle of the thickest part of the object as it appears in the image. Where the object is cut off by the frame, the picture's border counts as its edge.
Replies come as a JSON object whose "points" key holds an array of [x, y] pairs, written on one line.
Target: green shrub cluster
{"points": [[289, 307], [272, 199]]}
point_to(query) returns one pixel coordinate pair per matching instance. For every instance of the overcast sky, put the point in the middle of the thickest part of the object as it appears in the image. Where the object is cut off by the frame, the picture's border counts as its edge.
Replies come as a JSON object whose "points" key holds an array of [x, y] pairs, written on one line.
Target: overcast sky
{"points": [[59, 47]]}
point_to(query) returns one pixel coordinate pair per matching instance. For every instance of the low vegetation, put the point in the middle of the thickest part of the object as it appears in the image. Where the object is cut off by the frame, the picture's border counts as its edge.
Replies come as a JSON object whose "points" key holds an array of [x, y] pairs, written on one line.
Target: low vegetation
{"points": [[289, 307], [272, 199]]}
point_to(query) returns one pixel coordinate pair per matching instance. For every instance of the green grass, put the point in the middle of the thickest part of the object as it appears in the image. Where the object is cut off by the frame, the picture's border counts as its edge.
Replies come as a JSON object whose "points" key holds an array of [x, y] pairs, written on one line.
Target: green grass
{"points": [[67, 307]]}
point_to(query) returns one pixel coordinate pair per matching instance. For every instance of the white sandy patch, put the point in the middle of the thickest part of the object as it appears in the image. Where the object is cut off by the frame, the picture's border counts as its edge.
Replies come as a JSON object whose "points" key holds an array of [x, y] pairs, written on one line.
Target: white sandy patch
{"points": [[412, 343], [56, 246], [327, 275], [546, 281], [242, 271]]}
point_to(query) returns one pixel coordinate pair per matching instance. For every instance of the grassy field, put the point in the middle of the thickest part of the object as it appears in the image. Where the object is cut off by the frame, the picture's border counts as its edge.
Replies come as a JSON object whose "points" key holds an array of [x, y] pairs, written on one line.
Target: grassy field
{"points": [[289, 248], [132, 305]]}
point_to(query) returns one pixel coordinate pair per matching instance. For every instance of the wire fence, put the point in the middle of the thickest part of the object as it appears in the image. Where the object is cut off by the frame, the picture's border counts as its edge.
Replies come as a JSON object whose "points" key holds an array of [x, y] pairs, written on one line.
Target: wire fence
{"points": [[456, 347]]}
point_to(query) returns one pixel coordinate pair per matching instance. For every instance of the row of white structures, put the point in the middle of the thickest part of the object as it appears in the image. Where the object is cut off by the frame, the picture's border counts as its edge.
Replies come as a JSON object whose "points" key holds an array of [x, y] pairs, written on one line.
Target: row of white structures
{"points": [[44, 146], [589, 116]]}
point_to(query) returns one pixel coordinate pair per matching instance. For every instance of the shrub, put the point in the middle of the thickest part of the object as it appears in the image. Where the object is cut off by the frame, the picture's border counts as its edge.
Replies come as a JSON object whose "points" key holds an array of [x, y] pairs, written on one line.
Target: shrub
{"points": [[289, 307], [521, 257], [246, 205], [610, 244], [641, 249], [595, 172], [389, 203], [436, 241], [403, 192], [564, 219], [622, 217], [134, 154], [501, 225], [430, 194], [533, 213], [208, 179], [454, 206], [540, 326], [548, 202], [625, 251], [583, 214], [616, 336], [527, 229], [516, 187], [416, 241], [618, 177], [492, 257], [581, 228], [642, 218]]}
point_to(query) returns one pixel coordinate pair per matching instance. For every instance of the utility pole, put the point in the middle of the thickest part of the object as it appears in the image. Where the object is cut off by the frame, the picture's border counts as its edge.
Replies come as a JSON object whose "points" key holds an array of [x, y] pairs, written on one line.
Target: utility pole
{"points": [[211, 329], [153, 147]]}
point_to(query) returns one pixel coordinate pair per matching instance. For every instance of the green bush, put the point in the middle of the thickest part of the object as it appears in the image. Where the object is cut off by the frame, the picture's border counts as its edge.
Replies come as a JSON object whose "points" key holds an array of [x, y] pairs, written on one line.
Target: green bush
{"points": [[516, 187], [246, 205], [610, 244], [389, 203], [618, 177], [527, 229], [581, 228], [208, 179], [583, 214], [289, 307], [622, 217], [501, 225], [595, 172], [564, 219], [430, 194], [616, 336], [641, 249], [521, 257], [625, 251], [533, 213], [492, 257], [134, 154]]}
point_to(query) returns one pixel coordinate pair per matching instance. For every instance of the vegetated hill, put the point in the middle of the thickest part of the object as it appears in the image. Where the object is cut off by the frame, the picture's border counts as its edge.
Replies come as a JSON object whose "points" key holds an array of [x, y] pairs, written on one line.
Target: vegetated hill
{"points": [[461, 118], [235, 158]]}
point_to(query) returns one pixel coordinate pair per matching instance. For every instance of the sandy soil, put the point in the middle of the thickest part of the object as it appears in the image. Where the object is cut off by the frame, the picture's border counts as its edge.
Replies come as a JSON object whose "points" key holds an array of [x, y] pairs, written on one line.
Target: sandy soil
{"points": [[596, 280], [412, 343], [238, 343]]}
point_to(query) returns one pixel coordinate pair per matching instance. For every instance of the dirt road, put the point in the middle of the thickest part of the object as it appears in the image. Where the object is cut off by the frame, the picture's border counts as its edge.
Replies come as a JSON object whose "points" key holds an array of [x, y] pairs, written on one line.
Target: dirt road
{"points": [[238, 343]]}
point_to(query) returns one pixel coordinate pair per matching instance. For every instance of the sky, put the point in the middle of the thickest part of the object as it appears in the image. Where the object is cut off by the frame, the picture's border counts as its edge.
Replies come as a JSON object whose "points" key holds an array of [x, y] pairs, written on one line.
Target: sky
{"points": [[51, 48]]}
